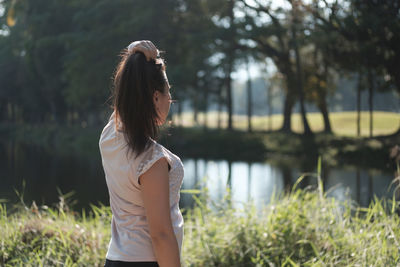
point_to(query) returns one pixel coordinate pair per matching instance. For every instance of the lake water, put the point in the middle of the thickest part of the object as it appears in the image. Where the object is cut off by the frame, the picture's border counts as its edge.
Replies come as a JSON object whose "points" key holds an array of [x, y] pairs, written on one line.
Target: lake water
{"points": [[40, 175], [258, 181]]}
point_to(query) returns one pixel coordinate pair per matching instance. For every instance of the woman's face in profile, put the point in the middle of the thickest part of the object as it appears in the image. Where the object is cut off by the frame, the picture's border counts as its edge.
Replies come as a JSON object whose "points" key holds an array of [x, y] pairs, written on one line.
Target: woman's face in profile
{"points": [[162, 101]]}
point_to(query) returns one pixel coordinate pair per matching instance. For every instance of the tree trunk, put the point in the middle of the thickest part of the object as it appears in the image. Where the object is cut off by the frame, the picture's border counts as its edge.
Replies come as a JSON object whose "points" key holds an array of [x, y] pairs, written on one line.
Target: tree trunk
{"points": [[325, 114], [269, 107], [219, 107], [229, 97], [195, 110], [287, 112], [307, 129], [285, 67], [249, 99], [370, 100], [205, 122], [230, 57], [322, 100], [359, 103]]}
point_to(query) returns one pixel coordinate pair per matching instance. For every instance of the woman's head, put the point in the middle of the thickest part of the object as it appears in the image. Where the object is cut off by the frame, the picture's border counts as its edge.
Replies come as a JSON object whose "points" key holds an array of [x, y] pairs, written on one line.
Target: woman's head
{"points": [[141, 98]]}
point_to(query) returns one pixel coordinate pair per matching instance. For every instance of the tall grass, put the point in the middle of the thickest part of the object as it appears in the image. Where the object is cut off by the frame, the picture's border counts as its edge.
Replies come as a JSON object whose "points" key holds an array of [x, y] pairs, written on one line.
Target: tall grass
{"points": [[301, 228], [304, 227], [43, 236]]}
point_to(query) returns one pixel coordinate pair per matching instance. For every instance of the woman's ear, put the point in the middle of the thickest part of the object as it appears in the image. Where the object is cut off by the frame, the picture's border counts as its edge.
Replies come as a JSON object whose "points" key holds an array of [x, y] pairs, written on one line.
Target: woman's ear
{"points": [[155, 96]]}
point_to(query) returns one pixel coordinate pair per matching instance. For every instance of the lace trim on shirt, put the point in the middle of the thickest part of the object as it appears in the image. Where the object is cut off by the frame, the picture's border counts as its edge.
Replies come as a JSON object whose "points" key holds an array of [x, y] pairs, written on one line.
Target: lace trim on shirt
{"points": [[146, 164]]}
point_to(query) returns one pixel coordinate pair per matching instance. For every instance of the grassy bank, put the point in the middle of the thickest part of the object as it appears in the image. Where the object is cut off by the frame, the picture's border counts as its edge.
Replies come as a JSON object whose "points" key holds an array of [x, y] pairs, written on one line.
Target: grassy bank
{"points": [[304, 227], [343, 123], [290, 148], [195, 142]]}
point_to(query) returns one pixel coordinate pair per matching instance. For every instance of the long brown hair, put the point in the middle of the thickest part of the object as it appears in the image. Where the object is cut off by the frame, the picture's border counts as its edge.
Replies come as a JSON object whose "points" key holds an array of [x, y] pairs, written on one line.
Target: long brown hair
{"points": [[135, 82]]}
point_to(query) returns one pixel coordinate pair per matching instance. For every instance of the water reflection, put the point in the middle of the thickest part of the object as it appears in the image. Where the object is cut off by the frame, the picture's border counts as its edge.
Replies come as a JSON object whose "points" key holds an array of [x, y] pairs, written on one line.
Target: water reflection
{"points": [[44, 172], [246, 181], [258, 181]]}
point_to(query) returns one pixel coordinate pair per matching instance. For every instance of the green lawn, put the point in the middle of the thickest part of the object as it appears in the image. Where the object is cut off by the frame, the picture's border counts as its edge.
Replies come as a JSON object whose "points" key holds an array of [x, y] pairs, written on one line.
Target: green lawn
{"points": [[343, 123]]}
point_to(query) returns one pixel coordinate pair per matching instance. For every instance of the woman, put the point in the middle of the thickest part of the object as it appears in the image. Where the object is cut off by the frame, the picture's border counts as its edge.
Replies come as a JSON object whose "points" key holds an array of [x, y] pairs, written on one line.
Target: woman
{"points": [[143, 177]]}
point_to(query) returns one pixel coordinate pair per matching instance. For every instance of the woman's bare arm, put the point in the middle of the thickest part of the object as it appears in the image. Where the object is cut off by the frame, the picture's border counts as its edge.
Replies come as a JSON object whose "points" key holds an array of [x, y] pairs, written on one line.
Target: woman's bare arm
{"points": [[155, 191], [149, 50]]}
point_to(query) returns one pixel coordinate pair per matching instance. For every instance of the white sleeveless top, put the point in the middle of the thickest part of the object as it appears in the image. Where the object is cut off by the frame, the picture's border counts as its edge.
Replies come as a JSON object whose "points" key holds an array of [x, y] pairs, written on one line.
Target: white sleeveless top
{"points": [[130, 237]]}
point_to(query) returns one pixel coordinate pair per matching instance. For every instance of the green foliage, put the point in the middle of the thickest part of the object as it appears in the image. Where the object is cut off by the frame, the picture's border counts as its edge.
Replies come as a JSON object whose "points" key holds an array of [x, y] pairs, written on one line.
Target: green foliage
{"points": [[58, 58], [195, 142], [43, 236], [361, 36], [81, 142], [301, 228]]}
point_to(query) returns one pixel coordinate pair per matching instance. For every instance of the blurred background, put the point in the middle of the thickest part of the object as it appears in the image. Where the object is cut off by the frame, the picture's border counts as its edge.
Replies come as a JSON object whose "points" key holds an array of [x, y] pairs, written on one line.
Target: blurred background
{"points": [[263, 89]]}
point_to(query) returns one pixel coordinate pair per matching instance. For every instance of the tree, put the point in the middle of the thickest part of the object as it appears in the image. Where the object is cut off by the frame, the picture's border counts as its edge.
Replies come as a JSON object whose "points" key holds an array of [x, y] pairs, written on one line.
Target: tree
{"points": [[37, 52], [278, 39], [371, 43], [295, 21], [249, 99], [196, 37], [227, 47]]}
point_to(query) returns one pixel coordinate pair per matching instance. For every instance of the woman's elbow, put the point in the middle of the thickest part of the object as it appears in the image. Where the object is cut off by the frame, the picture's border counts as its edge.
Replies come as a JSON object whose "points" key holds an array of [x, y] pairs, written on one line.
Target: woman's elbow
{"points": [[161, 235]]}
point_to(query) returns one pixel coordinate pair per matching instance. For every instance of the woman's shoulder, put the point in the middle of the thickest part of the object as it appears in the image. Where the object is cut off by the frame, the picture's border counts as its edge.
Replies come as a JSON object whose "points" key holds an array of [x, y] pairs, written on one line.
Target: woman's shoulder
{"points": [[159, 148], [171, 157], [153, 152], [154, 149], [110, 131]]}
